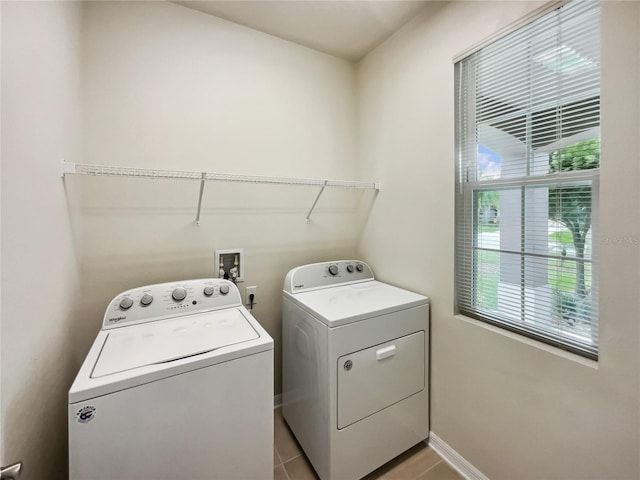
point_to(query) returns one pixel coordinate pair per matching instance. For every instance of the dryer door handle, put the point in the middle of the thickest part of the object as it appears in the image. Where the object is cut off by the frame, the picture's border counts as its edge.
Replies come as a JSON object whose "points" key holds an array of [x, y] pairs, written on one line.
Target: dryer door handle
{"points": [[386, 352]]}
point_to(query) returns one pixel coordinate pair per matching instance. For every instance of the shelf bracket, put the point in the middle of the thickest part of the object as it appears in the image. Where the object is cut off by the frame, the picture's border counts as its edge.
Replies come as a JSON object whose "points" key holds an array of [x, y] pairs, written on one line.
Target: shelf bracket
{"points": [[324, 184], [67, 168], [204, 176]]}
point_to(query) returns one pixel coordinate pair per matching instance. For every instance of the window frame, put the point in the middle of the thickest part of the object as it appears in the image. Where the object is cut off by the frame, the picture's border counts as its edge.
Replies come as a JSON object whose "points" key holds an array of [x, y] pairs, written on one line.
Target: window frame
{"points": [[466, 234]]}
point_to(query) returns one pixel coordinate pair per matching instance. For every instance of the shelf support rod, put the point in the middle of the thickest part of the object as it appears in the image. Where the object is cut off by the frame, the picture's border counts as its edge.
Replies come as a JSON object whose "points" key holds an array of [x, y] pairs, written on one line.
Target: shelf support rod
{"points": [[204, 176], [324, 184]]}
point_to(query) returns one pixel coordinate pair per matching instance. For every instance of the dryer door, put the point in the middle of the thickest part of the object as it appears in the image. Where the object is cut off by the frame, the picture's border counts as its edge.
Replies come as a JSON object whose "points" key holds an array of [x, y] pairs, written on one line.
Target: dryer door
{"points": [[371, 380]]}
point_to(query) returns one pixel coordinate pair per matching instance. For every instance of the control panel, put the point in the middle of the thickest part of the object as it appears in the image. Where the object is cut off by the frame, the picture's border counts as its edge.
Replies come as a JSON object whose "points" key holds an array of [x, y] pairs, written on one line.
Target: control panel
{"points": [[327, 274], [168, 300]]}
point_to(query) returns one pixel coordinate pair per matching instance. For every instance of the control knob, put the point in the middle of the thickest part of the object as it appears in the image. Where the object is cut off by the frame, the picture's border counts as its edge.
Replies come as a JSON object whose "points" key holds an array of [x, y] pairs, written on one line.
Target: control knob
{"points": [[208, 291], [126, 303], [350, 268], [224, 289], [179, 294], [359, 267], [333, 270], [146, 300]]}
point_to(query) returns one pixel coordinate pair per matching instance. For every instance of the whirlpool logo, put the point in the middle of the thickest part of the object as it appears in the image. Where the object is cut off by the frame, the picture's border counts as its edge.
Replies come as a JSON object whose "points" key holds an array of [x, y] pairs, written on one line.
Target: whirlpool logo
{"points": [[86, 414]]}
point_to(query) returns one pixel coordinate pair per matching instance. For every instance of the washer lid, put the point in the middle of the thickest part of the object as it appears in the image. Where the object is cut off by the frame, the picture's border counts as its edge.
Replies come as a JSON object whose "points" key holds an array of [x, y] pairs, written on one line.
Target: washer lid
{"points": [[164, 341], [351, 303]]}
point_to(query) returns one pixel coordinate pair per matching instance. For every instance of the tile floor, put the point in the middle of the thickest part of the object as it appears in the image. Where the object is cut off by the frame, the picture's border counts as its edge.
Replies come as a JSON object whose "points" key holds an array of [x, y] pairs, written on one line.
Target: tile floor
{"points": [[418, 463]]}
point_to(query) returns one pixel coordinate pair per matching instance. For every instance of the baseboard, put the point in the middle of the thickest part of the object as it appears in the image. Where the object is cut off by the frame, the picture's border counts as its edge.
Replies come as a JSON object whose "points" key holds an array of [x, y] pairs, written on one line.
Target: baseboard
{"points": [[453, 458], [277, 400]]}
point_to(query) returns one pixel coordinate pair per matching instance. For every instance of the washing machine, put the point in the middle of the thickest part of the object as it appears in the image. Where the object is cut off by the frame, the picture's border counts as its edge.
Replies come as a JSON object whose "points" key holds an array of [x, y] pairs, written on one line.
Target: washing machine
{"points": [[355, 367], [178, 384]]}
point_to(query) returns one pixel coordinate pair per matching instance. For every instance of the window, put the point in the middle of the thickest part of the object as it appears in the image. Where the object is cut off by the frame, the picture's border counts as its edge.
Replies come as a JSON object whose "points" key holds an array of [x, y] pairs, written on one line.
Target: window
{"points": [[527, 169]]}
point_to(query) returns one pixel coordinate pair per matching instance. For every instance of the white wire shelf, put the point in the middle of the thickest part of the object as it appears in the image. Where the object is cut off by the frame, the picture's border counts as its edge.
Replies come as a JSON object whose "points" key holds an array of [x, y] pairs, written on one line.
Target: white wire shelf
{"points": [[71, 168]]}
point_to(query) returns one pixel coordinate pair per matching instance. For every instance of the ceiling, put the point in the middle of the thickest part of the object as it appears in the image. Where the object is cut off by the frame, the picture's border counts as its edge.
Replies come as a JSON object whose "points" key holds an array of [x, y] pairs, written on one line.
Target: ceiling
{"points": [[346, 29]]}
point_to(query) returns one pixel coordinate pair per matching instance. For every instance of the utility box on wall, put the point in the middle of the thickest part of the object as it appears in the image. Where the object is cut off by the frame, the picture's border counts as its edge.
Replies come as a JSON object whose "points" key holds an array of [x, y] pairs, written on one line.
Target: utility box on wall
{"points": [[229, 264]]}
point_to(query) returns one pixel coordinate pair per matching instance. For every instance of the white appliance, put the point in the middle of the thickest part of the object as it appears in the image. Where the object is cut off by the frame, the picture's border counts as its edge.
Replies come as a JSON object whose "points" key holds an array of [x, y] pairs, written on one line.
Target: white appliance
{"points": [[355, 367], [178, 384]]}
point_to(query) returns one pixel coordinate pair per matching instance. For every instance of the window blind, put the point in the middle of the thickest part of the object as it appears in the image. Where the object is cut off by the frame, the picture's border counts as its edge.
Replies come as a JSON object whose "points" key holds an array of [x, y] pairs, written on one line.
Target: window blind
{"points": [[527, 170]]}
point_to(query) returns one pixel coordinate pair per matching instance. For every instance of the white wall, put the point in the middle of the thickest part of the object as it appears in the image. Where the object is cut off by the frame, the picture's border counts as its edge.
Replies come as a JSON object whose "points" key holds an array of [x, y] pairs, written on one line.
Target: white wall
{"points": [[41, 123], [513, 408], [168, 87]]}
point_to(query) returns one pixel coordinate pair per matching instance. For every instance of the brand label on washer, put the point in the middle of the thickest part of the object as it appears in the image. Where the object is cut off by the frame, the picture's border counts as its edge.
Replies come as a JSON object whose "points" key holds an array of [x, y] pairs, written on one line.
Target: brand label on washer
{"points": [[86, 414]]}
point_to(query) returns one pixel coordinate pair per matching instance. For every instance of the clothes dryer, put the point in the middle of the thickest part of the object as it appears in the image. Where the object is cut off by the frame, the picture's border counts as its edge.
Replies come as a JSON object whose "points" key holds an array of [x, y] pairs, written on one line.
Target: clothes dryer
{"points": [[355, 367], [178, 384]]}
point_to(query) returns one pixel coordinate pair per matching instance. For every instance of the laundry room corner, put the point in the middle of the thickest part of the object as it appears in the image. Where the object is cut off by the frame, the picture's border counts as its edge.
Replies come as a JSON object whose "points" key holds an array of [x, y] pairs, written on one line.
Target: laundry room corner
{"points": [[167, 87], [159, 86], [139, 138]]}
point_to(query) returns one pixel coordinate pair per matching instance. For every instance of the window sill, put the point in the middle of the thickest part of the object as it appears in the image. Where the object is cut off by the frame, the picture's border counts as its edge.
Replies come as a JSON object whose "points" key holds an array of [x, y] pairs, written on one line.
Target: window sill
{"points": [[558, 352]]}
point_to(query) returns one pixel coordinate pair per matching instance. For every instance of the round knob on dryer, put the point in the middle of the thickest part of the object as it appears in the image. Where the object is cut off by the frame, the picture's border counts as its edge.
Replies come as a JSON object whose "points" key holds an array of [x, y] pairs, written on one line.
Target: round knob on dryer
{"points": [[146, 300], [350, 268], [333, 270], [224, 289], [208, 291], [359, 267], [126, 303], [179, 294]]}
